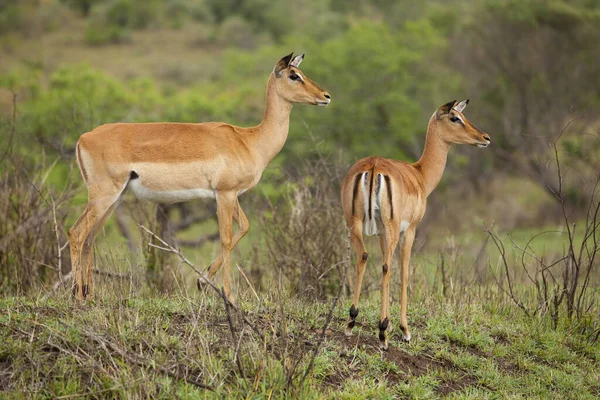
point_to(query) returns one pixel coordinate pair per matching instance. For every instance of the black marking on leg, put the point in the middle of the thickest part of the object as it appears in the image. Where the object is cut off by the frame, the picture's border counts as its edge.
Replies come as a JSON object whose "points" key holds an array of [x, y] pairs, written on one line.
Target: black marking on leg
{"points": [[86, 291], [133, 175], [365, 256], [353, 315], [403, 329], [75, 289], [382, 327], [371, 193], [388, 185], [353, 312], [355, 190], [385, 269]]}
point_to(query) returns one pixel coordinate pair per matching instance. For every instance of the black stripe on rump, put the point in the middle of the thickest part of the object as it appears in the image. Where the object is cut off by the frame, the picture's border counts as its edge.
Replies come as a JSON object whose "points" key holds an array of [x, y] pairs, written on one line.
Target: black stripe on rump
{"points": [[355, 190], [388, 186], [371, 193]]}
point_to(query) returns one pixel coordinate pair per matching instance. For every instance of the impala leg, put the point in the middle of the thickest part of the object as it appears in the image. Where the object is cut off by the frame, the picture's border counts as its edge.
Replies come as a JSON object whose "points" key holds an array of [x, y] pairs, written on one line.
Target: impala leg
{"points": [[391, 241], [75, 244], [81, 236], [409, 237], [226, 202], [88, 251], [361, 261], [240, 218]]}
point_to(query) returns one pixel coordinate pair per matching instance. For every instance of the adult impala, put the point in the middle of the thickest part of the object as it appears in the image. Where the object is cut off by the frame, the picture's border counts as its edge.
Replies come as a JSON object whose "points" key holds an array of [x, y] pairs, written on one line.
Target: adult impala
{"points": [[173, 162], [390, 197]]}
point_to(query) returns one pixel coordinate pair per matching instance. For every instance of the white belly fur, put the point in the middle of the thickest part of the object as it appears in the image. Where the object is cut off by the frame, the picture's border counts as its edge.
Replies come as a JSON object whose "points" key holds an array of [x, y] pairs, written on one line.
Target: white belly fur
{"points": [[168, 196]]}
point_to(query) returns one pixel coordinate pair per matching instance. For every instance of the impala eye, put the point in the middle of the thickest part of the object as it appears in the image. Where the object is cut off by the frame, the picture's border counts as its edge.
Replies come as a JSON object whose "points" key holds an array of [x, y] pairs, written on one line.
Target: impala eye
{"points": [[294, 77], [454, 119]]}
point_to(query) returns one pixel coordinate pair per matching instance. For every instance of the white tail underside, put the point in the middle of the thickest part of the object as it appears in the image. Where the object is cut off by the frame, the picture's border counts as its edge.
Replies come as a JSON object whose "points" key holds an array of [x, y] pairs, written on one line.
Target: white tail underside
{"points": [[371, 223]]}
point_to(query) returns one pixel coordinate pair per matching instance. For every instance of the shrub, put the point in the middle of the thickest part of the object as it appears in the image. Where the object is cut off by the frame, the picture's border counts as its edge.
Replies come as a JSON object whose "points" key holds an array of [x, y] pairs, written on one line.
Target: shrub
{"points": [[305, 233], [31, 229]]}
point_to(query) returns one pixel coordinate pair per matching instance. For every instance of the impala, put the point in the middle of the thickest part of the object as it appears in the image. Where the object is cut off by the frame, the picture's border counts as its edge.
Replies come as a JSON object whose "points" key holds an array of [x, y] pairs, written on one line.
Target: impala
{"points": [[388, 198], [174, 162]]}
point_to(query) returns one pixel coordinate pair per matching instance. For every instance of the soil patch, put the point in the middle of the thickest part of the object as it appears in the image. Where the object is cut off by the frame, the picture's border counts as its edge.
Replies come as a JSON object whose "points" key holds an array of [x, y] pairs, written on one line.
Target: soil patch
{"points": [[503, 364], [409, 365]]}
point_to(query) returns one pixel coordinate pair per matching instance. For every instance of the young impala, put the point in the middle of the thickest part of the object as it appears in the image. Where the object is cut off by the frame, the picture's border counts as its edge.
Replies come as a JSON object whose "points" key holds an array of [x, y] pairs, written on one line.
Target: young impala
{"points": [[388, 198], [173, 162]]}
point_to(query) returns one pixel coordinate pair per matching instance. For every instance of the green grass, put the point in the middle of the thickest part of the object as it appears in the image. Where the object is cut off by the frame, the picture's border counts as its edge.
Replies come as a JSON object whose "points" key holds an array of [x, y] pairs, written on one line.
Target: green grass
{"points": [[159, 346]]}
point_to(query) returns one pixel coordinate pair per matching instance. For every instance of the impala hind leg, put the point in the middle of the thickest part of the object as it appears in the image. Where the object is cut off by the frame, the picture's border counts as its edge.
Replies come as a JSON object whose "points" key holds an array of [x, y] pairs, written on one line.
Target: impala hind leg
{"points": [[356, 238], [409, 237], [82, 235], [87, 252], [75, 245], [391, 241]]}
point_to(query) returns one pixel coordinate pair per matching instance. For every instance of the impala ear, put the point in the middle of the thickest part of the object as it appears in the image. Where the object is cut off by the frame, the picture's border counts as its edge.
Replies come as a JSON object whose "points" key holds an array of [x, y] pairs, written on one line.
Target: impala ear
{"points": [[461, 106], [445, 109], [297, 60], [283, 64]]}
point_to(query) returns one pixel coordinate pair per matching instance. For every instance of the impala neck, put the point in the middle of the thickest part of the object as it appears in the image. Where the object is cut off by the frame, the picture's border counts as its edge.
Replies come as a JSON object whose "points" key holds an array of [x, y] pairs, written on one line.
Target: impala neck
{"points": [[433, 161], [273, 131]]}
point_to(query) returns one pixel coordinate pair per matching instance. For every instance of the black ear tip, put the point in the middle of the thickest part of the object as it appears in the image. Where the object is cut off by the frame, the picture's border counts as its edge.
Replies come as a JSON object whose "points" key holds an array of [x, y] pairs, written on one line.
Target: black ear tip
{"points": [[467, 101]]}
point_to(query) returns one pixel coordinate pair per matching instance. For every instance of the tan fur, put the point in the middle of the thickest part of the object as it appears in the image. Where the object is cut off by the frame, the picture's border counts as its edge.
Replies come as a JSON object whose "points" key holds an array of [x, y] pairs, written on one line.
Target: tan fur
{"points": [[212, 157], [411, 185]]}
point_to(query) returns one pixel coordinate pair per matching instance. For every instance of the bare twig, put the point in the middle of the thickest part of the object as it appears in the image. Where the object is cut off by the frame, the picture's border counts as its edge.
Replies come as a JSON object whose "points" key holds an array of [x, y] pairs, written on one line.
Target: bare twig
{"points": [[170, 249], [248, 282], [233, 333]]}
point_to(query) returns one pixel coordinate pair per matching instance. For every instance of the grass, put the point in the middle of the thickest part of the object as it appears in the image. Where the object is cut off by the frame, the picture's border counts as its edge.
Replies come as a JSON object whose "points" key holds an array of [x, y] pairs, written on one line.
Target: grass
{"points": [[164, 347]]}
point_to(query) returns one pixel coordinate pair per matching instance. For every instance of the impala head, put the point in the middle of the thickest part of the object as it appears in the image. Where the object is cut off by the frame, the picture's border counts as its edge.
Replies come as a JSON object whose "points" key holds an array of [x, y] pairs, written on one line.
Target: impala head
{"points": [[456, 128], [296, 87]]}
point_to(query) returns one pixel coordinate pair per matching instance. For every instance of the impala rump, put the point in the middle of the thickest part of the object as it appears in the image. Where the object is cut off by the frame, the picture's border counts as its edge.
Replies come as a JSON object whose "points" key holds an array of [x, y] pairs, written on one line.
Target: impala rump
{"points": [[371, 186]]}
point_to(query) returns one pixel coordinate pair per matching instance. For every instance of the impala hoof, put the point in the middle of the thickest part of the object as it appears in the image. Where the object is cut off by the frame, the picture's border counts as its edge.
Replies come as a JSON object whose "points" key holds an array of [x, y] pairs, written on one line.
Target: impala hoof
{"points": [[348, 332], [202, 282], [406, 335], [383, 346]]}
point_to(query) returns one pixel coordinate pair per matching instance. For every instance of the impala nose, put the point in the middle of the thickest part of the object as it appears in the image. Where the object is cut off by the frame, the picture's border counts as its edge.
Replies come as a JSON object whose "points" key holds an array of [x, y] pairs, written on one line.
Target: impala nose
{"points": [[487, 137], [327, 96]]}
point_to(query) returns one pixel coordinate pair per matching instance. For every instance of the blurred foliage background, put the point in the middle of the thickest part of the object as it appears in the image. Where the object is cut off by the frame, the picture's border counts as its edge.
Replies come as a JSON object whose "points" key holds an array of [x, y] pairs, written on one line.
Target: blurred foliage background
{"points": [[528, 66]]}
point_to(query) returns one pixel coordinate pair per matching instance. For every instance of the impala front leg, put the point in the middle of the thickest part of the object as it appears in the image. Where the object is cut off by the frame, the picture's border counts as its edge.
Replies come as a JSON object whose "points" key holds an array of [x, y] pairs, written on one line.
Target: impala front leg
{"points": [[244, 226], [226, 202]]}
